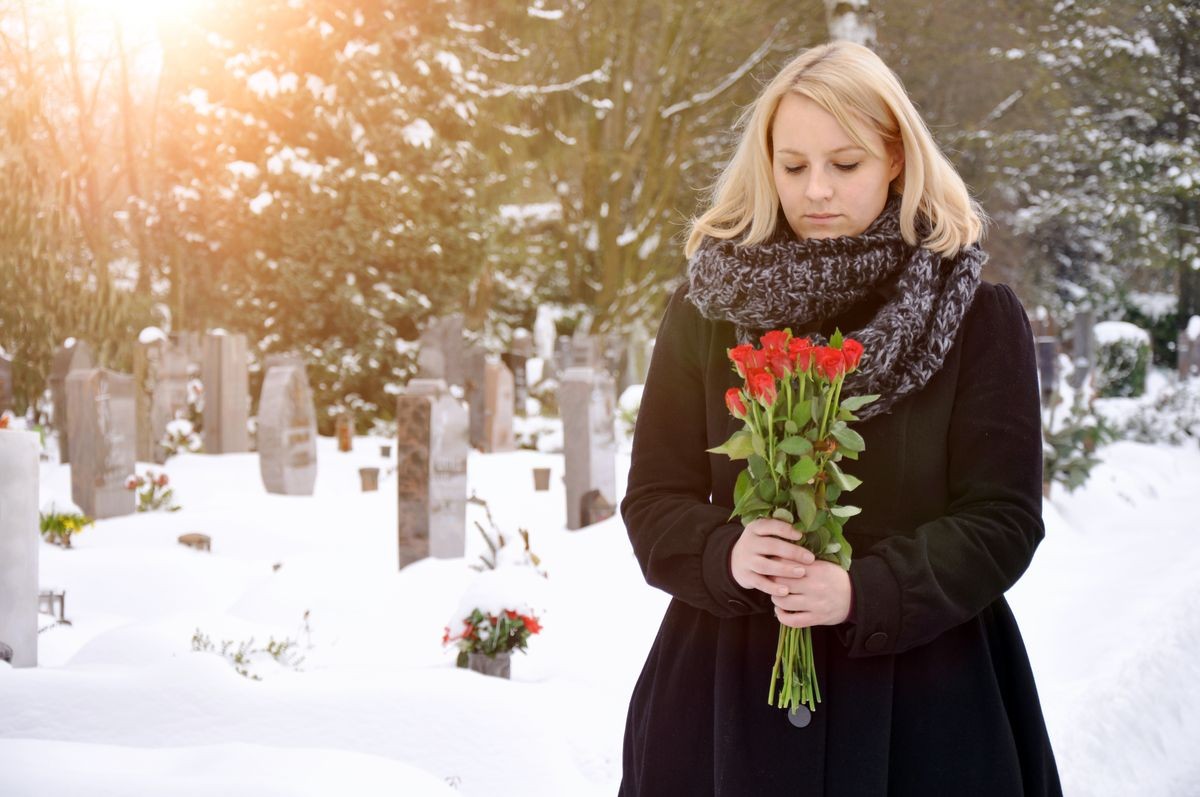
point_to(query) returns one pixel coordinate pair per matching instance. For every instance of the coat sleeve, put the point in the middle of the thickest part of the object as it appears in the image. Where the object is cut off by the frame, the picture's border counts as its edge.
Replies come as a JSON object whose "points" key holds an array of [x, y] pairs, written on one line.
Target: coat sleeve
{"points": [[680, 538], [911, 588]]}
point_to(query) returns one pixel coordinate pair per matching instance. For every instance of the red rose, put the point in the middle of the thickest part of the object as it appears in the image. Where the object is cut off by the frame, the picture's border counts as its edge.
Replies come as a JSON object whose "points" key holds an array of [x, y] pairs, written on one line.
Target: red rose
{"points": [[779, 363], [733, 400], [531, 624], [775, 340], [830, 362], [762, 388], [851, 353], [739, 355], [801, 352]]}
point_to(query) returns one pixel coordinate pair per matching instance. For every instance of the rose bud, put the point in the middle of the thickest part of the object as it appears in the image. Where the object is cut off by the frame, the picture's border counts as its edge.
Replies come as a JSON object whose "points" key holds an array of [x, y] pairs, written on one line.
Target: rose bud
{"points": [[733, 400], [830, 362], [851, 353]]}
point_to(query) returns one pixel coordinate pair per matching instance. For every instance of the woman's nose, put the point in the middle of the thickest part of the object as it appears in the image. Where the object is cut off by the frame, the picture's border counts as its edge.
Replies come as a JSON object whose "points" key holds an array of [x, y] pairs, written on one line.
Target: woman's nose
{"points": [[817, 188]]}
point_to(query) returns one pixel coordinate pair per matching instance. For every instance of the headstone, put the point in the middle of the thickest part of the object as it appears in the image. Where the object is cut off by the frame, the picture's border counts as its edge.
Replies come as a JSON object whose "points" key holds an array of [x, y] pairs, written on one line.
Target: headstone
{"points": [[587, 403], [1047, 364], [160, 381], [287, 432], [440, 354], [71, 356], [562, 355], [498, 408], [191, 344], [226, 394], [545, 333], [344, 429], [474, 389], [1083, 347], [283, 358], [516, 365], [19, 542], [6, 383], [587, 351], [431, 470], [100, 405], [522, 343], [1188, 349], [369, 477]]}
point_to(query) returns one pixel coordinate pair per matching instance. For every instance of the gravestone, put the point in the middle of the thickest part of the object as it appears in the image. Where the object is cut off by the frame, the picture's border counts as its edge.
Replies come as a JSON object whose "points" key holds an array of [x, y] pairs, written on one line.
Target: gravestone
{"points": [[71, 356], [545, 333], [587, 351], [1188, 349], [191, 344], [562, 355], [1047, 364], [441, 352], [516, 366], [344, 430], [226, 394], [474, 390], [287, 432], [160, 381], [19, 543], [100, 405], [431, 470], [1083, 347], [6, 383], [498, 408], [587, 403]]}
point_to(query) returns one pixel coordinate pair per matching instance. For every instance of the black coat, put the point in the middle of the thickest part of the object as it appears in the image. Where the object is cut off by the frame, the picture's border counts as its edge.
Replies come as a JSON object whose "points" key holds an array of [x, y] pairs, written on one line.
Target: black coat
{"points": [[927, 689]]}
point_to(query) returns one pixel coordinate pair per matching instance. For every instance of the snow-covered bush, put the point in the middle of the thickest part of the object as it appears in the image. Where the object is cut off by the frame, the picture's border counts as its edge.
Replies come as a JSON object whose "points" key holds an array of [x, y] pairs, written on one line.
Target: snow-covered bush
{"points": [[1171, 416], [1069, 447], [627, 409], [1122, 357], [179, 436]]}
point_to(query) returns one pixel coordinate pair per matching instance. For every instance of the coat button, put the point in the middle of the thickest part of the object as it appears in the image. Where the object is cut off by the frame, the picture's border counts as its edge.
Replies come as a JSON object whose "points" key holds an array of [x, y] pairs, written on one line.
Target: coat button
{"points": [[876, 642], [741, 606]]}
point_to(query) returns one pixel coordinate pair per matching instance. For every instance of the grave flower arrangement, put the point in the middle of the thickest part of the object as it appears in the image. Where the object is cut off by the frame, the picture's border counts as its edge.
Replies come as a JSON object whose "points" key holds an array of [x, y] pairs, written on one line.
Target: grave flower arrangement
{"points": [[491, 634], [797, 431], [180, 436], [59, 527], [152, 491]]}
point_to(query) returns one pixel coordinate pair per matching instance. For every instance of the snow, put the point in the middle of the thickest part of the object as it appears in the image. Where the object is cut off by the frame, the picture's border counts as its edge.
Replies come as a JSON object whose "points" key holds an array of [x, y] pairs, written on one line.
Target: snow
{"points": [[122, 704], [151, 335], [1112, 331], [1193, 328], [418, 134], [261, 202]]}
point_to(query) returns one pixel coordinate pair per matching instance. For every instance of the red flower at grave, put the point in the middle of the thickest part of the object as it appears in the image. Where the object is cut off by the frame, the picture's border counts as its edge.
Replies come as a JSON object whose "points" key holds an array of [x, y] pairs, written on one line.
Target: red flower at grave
{"points": [[531, 624], [161, 481], [830, 362], [733, 400], [851, 353], [132, 482], [4, 421]]}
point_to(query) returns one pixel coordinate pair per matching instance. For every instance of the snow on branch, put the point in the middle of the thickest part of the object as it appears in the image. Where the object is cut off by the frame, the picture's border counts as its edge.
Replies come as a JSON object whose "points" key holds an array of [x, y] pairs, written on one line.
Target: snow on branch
{"points": [[730, 79], [599, 75]]}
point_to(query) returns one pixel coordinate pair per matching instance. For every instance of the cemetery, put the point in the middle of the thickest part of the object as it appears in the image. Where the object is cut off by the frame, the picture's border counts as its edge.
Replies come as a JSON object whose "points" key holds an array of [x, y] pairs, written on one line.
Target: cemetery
{"points": [[324, 333]]}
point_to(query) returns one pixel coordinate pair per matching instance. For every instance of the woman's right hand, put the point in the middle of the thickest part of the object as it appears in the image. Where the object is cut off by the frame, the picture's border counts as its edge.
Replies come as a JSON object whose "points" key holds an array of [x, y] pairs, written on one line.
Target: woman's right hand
{"points": [[768, 548]]}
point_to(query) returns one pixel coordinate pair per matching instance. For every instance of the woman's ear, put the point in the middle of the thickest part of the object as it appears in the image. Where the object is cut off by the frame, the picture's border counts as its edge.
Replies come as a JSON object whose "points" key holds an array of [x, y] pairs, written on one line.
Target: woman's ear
{"points": [[895, 161]]}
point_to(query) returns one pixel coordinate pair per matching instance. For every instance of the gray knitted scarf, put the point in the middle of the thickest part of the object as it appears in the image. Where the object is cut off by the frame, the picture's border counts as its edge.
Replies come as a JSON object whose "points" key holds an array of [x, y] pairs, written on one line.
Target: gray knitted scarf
{"points": [[798, 283]]}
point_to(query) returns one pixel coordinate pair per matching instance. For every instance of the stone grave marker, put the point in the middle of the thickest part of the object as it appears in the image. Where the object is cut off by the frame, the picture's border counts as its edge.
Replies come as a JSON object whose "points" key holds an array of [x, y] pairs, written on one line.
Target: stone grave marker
{"points": [[19, 543], [1188, 349], [440, 355], [545, 333], [475, 392], [101, 408], [587, 351], [562, 355], [6, 382], [71, 356], [287, 432], [431, 470], [587, 404], [1083, 347], [1047, 364], [226, 381], [498, 408], [160, 382]]}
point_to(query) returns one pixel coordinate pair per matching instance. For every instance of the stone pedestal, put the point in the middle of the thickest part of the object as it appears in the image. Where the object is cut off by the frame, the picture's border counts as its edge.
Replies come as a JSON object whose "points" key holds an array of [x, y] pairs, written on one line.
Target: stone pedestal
{"points": [[498, 408], [431, 471], [287, 432], [226, 394], [71, 356], [19, 541], [100, 404], [587, 404], [160, 382]]}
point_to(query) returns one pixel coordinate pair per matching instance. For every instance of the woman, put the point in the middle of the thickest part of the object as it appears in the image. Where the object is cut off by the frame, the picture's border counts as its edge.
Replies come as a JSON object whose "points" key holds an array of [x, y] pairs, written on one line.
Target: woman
{"points": [[839, 211]]}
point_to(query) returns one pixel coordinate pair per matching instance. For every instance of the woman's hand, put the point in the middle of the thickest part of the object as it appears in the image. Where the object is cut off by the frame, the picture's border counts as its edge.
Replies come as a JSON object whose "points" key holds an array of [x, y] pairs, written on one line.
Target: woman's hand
{"points": [[820, 597], [765, 553]]}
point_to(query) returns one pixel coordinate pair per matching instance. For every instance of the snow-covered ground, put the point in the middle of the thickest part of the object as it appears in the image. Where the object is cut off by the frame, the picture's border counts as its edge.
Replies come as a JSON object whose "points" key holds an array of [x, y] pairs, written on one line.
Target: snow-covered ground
{"points": [[122, 705]]}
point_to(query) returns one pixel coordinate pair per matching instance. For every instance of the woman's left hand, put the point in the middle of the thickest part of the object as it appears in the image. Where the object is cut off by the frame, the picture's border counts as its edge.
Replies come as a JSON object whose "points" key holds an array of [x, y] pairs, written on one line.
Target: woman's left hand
{"points": [[820, 597]]}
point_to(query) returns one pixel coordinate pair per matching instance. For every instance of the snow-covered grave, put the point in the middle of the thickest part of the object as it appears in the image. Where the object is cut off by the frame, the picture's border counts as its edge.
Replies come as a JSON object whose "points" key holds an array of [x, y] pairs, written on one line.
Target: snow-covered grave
{"points": [[121, 703]]}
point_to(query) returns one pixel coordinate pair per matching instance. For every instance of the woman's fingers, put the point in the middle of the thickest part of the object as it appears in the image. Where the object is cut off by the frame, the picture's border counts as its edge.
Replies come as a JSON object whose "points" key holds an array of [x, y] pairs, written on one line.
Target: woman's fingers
{"points": [[769, 546], [778, 567], [795, 619], [770, 527]]}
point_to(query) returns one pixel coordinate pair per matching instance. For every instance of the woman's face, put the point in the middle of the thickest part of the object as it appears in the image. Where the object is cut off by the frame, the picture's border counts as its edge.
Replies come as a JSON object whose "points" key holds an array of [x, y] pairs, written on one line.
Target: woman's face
{"points": [[827, 185]]}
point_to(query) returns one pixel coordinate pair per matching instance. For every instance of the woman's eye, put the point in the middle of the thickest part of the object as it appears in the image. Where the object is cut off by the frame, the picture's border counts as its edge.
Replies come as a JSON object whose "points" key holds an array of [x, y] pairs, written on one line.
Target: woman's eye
{"points": [[792, 169], [847, 167]]}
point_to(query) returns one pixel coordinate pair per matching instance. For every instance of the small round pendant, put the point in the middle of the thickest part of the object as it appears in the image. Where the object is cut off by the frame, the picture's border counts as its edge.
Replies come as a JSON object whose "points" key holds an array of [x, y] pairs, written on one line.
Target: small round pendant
{"points": [[800, 716]]}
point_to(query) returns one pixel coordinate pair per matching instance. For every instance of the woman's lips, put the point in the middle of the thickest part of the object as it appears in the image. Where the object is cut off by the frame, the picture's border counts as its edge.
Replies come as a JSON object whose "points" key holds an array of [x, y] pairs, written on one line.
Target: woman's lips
{"points": [[822, 218]]}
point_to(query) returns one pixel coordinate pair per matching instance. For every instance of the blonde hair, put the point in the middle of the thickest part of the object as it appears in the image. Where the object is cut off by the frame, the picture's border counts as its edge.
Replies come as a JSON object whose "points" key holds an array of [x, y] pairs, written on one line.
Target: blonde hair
{"points": [[851, 83]]}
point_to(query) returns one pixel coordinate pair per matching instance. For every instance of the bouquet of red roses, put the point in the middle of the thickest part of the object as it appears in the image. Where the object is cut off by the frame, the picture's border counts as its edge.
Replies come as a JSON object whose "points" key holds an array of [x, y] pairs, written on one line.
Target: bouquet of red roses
{"points": [[797, 431]]}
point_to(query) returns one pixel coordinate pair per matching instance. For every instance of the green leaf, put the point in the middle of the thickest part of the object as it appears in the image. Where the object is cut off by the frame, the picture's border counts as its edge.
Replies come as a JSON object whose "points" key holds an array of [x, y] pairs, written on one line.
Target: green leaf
{"points": [[815, 409], [800, 414], [796, 446], [844, 511], [803, 470], [849, 439], [805, 505], [741, 487], [758, 445], [791, 427], [765, 490], [832, 547], [832, 491], [739, 446], [844, 414], [781, 463], [853, 403], [843, 480], [784, 515], [758, 467], [836, 340]]}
